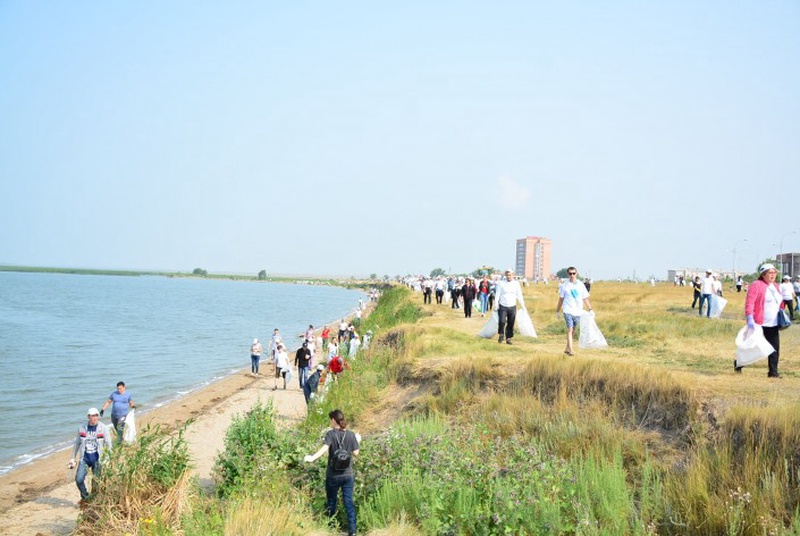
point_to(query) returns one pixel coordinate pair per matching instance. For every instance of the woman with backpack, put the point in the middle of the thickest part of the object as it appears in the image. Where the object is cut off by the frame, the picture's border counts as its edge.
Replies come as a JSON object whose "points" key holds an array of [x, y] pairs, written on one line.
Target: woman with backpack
{"points": [[341, 445]]}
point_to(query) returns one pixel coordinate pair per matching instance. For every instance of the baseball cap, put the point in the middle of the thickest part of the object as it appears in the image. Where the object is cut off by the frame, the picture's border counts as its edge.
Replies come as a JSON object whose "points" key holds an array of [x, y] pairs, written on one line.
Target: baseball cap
{"points": [[765, 267], [320, 367], [92, 411]]}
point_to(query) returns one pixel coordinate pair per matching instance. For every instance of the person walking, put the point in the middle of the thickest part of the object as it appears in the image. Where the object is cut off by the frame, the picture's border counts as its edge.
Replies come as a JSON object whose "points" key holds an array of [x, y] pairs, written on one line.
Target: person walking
{"points": [[508, 294], [338, 443], [572, 295], [468, 291], [762, 306], [121, 403], [301, 361], [787, 294], [326, 334], [255, 356], [282, 367], [89, 452], [706, 291], [483, 294], [796, 287], [739, 283], [696, 286], [438, 287]]}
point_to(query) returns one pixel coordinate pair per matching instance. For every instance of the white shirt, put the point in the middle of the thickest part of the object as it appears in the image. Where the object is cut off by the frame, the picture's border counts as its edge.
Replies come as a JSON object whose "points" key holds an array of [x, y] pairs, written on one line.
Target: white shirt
{"points": [[508, 293], [787, 291], [772, 304], [707, 286], [573, 295], [282, 360]]}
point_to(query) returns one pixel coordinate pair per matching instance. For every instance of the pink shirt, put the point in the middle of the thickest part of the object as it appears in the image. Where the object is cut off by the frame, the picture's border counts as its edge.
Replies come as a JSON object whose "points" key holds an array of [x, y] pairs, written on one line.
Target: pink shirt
{"points": [[754, 304]]}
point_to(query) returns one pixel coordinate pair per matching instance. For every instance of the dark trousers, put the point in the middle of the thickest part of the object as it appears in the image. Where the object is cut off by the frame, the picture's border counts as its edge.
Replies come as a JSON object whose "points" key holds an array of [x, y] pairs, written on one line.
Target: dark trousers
{"points": [[439, 296], [773, 337], [789, 304], [426, 296], [467, 307], [696, 298], [332, 486], [505, 320], [454, 297]]}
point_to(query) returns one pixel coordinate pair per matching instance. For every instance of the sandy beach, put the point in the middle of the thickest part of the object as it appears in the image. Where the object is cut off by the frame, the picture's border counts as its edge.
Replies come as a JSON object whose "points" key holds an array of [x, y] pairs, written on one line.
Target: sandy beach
{"points": [[41, 498]]}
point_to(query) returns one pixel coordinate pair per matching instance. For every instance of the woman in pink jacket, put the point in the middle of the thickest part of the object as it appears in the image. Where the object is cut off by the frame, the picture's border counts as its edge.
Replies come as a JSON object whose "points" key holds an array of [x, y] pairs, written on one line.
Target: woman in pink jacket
{"points": [[762, 306]]}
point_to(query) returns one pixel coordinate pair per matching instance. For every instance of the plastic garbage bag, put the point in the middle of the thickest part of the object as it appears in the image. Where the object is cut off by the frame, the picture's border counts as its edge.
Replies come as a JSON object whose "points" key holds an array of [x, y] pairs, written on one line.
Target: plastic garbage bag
{"points": [[751, 346], [525, 324], [718, 303], [489, 329], [129, 432], [591, 337]]}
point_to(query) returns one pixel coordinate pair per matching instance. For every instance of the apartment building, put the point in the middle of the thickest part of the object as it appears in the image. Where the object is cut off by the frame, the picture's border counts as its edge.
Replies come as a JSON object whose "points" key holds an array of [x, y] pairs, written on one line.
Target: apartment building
{"points": [[533, 258]]}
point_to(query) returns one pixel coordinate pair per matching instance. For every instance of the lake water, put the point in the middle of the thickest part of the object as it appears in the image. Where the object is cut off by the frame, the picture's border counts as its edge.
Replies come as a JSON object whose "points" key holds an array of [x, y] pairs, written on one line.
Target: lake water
{"points": [[66, 340]]}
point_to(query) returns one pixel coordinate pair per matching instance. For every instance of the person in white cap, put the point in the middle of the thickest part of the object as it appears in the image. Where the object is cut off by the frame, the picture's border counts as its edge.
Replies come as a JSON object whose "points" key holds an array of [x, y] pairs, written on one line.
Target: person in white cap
{"points": [[706, 290], [255, 356], [762, 306], [787, 293], [91, 446], [508, 294]]}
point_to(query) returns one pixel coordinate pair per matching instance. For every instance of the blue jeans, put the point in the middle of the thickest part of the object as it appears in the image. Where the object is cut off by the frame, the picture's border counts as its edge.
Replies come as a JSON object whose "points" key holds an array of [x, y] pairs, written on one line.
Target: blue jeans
{"points": [[80, 477], [705, 298], [254, 360], [118, 422], [302, 375], [346, 483], [484, 303]]}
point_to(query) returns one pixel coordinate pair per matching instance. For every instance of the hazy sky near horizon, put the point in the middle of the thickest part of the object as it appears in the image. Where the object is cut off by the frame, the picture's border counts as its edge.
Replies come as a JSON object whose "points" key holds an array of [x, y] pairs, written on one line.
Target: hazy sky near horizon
{"points": [[392, 138]]}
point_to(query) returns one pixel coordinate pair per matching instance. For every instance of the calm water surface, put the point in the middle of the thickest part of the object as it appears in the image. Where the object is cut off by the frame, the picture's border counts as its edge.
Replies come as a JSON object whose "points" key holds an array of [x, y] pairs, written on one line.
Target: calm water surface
{"points": [[66, 340]]}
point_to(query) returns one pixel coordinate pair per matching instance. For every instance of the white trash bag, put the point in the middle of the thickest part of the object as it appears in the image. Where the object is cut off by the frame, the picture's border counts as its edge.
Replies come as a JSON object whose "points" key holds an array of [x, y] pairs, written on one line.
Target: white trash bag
{"points": [[590, 336], [751, 346], [129, 432], [525, 324], [718, 303], [490, 328]]}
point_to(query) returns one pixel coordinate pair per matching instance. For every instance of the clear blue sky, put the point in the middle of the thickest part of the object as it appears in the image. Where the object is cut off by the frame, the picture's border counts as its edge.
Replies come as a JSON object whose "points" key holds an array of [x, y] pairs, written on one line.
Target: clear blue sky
{"points": [[350, 138]]}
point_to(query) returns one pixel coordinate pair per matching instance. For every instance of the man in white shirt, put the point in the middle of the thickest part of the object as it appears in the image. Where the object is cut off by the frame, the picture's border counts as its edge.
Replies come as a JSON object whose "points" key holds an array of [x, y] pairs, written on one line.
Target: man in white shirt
{"points": [[706, 291], [508, 293], [572, 295]]}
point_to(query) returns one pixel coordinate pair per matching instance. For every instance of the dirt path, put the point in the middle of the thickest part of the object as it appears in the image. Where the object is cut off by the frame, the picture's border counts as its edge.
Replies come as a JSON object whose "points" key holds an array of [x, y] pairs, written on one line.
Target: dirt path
{"points": [[41, 498]]}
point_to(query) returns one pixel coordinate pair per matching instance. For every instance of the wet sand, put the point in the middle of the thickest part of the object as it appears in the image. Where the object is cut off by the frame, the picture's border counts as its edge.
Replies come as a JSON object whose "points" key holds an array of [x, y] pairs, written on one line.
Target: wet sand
{"points": [[41, 498]]}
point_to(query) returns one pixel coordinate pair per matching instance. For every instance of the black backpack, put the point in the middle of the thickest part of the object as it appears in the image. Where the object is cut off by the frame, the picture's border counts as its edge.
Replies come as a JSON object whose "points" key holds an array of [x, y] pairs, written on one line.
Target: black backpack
{"points": [[341, 456]]}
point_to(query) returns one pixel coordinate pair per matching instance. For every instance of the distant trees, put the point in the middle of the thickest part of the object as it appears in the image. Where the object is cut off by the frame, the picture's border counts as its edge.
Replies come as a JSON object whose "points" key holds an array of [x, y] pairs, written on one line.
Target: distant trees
{"points": [[482, 271], [262, 275], [200, 272], [562, 273], [437, 272], [373, 276]]}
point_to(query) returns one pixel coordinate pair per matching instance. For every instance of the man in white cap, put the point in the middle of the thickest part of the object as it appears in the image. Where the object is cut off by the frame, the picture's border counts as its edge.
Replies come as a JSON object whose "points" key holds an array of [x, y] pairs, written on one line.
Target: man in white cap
{"points": [[508, 293], [706, 291], [91, 446]]}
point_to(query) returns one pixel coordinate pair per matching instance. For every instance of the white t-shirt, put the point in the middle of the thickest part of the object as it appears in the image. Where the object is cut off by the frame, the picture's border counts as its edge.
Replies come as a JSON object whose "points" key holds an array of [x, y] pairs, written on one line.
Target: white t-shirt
{"points": [[708, 285], [772, 304], [573, 295], [786, 291], [508, 293], [282, 360]]}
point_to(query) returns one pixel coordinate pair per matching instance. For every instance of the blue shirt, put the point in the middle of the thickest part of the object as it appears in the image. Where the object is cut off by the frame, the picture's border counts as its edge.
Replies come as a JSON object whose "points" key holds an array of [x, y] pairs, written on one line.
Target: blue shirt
{"points": [[121, 403]]}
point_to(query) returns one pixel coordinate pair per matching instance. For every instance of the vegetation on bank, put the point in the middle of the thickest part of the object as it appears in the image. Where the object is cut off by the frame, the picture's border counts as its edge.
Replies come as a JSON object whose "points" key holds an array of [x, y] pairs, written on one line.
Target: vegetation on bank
{"points": [[464, 436]]}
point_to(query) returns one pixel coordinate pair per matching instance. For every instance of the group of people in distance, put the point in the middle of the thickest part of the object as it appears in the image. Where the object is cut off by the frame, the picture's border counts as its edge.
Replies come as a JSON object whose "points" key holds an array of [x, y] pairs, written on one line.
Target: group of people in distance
{"points": [[93, 442]]}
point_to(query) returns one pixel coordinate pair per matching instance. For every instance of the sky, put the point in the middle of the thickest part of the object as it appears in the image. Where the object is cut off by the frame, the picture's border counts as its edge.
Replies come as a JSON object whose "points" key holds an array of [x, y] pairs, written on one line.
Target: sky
{"points": [[358, 138]]}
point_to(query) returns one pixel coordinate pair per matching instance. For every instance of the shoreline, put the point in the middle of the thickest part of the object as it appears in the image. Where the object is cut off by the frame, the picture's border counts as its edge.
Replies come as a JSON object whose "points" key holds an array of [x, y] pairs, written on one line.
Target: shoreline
{"points": [[30, 482]]}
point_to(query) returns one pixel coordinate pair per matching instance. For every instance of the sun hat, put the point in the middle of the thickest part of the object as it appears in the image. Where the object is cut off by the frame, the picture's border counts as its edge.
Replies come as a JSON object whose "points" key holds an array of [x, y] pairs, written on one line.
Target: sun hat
{"points": [[787, 277], [92, 411], [765, 267], [255, 341], [709, 271], [320, 367]]}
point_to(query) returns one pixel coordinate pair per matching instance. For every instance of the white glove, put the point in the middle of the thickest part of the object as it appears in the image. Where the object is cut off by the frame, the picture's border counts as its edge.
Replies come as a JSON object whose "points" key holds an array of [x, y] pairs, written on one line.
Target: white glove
{"points": [[308, 458], [358, 436], [71, 464]]}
